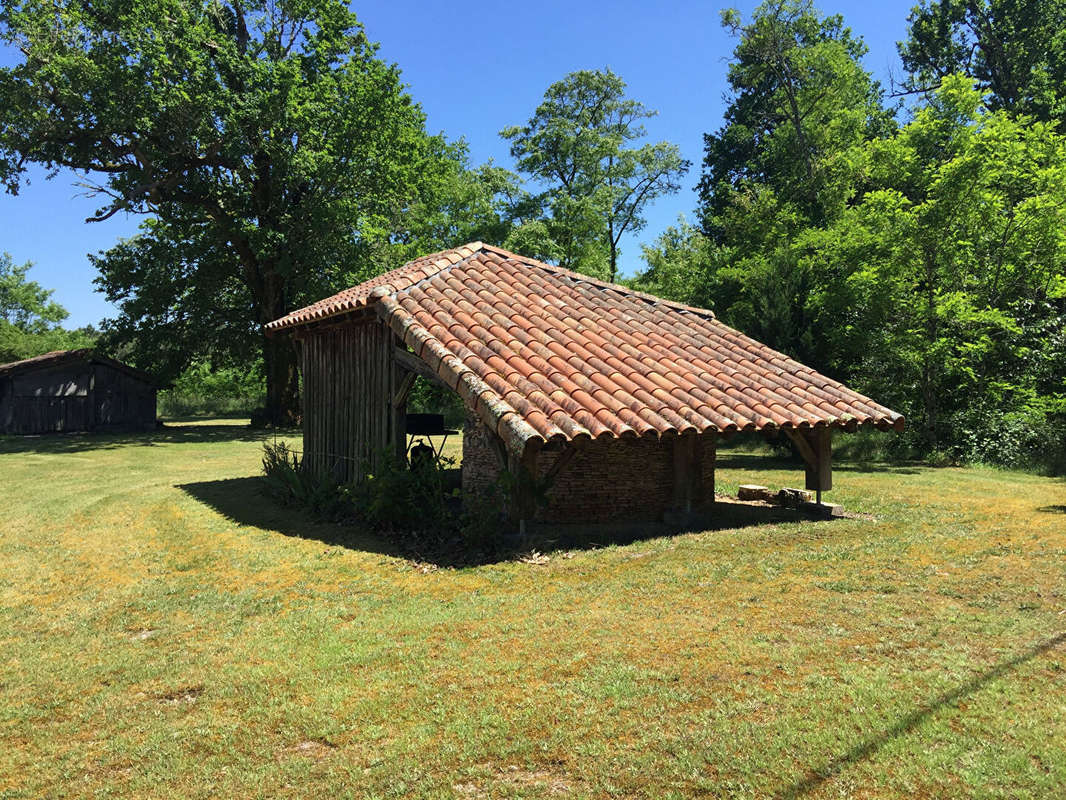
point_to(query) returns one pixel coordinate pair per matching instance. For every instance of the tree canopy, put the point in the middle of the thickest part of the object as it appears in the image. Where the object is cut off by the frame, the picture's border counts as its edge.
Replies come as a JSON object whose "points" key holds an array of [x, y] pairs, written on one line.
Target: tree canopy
{"points": [[581, 142], [923, 264], [268, 142], [1015, 51], [30, 320], [799, 98]]}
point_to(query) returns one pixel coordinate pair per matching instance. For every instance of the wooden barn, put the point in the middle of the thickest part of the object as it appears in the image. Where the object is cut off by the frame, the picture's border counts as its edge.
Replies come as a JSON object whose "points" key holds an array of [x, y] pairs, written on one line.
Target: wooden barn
{"points": [[614, 398], [74, 390]]}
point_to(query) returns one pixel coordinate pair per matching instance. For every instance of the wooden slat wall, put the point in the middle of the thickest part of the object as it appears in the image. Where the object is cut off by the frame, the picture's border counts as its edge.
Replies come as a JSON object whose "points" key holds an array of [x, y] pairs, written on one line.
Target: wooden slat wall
{"points": [[76, 398], [349, 377]]}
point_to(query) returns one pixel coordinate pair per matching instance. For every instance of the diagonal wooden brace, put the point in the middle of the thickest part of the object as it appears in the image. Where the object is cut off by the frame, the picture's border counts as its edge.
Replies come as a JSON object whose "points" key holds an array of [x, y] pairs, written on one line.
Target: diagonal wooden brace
{"points": [[816, 448]]}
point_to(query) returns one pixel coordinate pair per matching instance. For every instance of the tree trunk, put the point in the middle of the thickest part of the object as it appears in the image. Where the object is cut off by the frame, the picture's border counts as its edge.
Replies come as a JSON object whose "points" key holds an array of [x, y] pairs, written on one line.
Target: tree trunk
{"points": [[930, 377], [614, 257], [282, 381], [279, 357]]}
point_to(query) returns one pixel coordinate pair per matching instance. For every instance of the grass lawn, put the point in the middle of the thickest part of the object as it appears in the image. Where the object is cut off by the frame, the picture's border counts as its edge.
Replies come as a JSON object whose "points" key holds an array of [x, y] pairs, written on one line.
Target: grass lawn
{"points": [[166, 631]]}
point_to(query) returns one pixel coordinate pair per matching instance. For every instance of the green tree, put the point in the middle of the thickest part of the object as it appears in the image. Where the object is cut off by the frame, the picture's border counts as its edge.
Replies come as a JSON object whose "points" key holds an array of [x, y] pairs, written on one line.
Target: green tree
{"points": [[25, 303], [785, 160], [180, 299], [800, 99], [269, 142], [581, 142], [456, 204], [30, 320], [1014, 49], [946, 284], [678, 265]]}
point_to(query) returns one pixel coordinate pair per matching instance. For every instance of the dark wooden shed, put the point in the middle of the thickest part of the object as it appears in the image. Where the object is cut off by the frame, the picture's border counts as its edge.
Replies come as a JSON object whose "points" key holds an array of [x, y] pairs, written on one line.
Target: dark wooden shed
{"points": [[74, 390], [613, 398]]}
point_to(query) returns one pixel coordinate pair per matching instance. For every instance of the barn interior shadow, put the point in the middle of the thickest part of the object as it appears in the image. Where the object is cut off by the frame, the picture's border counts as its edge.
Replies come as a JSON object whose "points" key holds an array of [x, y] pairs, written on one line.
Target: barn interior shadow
{"points": [[869, 747], [243, 501], [167, 434]]}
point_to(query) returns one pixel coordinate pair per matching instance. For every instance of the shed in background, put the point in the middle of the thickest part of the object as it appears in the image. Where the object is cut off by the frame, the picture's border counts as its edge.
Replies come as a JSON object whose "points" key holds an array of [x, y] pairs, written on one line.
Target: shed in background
{"points": [[74, 390]]}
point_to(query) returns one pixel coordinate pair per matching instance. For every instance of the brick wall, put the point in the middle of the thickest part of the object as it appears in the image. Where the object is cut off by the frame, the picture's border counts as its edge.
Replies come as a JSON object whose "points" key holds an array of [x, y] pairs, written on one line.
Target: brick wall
{"points": [[480, 465], [606, 480]]}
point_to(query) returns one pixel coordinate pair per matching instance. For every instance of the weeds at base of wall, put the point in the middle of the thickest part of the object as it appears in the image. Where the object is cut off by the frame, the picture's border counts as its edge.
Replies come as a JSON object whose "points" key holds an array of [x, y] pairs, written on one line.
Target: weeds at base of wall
{"points": [[418, 509]]}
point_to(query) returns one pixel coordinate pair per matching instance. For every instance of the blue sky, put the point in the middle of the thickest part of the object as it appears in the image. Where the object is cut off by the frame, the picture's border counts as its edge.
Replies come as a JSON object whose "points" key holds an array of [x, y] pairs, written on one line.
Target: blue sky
{"points": [[475, 68]]}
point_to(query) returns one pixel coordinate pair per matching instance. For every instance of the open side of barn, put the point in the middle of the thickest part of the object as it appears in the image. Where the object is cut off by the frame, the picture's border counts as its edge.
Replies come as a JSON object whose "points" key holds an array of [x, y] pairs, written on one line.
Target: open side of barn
{"points": [[599, 401], [74, 390]]}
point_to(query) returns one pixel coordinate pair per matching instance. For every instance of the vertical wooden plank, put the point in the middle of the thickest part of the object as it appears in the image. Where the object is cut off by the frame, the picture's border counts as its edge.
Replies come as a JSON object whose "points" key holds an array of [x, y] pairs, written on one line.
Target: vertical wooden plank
{"points": [[708, 460]]}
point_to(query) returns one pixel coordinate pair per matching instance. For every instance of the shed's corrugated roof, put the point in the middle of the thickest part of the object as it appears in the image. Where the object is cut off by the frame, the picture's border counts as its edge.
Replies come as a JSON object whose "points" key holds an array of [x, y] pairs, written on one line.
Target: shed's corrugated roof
{"points": [[84, 355], [544, 354]]}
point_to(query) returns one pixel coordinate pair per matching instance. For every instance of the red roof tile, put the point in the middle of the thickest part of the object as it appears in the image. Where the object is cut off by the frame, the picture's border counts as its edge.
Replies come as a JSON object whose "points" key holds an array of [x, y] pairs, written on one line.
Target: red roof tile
{"points": [[543, 353]]}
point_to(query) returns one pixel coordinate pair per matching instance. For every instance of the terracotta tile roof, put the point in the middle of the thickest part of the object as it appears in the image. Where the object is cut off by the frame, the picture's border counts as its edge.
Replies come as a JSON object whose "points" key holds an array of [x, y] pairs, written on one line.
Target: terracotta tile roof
{"points": [[542, 353]]}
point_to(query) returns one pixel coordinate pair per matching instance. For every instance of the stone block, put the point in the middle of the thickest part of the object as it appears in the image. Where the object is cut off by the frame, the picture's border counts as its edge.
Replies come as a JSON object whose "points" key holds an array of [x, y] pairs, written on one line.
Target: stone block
{"points": [[793, 497], [751, 491], [823, 510]]}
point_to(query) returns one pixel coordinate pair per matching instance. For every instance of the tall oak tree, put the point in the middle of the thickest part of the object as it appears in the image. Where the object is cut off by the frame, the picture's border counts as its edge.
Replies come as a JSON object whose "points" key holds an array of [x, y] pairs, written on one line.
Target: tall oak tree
{"points": [[269, 144]]}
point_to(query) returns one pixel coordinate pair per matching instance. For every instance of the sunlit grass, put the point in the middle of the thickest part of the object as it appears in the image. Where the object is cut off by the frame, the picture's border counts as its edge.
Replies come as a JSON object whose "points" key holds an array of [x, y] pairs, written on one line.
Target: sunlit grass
{"points": [[165, 630]]}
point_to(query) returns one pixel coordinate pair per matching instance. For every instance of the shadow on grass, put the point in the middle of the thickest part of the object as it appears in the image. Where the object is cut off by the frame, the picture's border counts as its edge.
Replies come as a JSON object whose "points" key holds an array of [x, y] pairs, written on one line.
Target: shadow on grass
{"points": [[243, 501], [908, 723], [1053, 509], [745, 461], [86, 442]]}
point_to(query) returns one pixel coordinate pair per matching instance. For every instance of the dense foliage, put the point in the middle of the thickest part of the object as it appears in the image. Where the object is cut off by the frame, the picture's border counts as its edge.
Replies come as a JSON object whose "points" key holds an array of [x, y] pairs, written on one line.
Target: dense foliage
{"points": [[271, 146], [204, 388], [1015, 50], [30, 320], [924, 264]]}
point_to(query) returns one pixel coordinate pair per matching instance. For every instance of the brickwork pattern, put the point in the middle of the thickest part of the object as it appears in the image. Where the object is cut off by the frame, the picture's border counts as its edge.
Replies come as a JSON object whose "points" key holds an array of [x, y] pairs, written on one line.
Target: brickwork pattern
{"points": [[630, 479], [480, 465]]}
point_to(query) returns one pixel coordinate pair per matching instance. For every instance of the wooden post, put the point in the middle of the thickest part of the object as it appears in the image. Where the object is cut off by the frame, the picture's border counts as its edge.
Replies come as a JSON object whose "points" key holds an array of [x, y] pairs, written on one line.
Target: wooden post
{"points": [[708, 457], [686, 472], [565, 457], [816, 447], [405, 380], [523, 500]]}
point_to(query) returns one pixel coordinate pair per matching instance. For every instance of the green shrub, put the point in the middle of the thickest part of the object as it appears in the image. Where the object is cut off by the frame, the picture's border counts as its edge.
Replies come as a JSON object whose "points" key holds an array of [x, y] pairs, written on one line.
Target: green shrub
{"points": [[287, 481], [422, 510], [1028, 438], [204, 390], [395, 498]]}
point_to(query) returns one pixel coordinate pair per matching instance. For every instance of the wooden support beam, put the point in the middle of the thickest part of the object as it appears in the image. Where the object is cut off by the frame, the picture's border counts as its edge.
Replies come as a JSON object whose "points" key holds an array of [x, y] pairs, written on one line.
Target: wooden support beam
{"points": [[561, 460], [523, 499], [820, 478], [686, 472], [802, 445], [413, 363], [816, 448], [498, 446], [404, 389]]}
